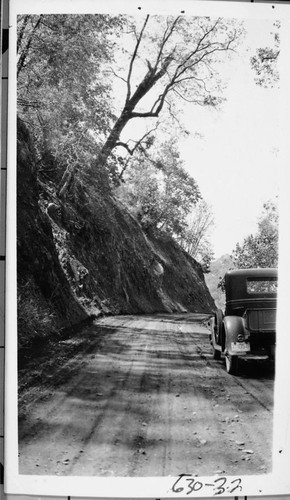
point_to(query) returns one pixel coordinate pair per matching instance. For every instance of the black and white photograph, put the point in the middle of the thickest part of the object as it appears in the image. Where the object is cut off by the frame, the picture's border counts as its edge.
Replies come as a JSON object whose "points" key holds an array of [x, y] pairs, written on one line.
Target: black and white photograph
{"points": [[147, 208]]}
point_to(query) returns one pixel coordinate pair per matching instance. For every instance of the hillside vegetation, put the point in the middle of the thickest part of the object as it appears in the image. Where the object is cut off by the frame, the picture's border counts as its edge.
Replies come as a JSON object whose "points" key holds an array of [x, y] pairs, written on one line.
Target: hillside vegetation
{"points": [[106, 205], [88, 255], [217, 271]]}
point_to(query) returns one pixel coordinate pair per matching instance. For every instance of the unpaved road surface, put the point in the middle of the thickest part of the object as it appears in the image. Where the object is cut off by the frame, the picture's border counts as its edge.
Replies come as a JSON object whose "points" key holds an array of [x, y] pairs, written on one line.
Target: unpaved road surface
{"points": [[142, 396]]}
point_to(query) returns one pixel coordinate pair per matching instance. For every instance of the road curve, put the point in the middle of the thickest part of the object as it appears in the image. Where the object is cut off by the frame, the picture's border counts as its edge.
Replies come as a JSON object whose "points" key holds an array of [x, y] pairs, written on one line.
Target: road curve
{"points": [[142, 396]]}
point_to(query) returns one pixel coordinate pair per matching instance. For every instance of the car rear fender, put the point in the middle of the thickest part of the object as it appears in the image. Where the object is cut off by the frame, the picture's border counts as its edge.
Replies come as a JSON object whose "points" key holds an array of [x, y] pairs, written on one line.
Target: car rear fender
{"points": [[234, 329]]}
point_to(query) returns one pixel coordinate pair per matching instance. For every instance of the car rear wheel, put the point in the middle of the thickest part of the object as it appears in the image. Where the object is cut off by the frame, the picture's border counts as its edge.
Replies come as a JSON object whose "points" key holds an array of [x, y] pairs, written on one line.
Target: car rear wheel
{"points": [[215, 352], [218, 326], [231, 364]]}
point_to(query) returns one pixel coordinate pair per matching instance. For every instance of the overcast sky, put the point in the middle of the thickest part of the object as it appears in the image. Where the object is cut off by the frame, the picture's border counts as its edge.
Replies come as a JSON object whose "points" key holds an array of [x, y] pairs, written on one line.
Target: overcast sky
{"points": [[235, 160]]}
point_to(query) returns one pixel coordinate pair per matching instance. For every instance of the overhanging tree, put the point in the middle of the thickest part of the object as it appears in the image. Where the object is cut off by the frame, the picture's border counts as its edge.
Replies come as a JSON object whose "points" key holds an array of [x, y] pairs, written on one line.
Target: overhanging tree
{"points": [[175, 57]]}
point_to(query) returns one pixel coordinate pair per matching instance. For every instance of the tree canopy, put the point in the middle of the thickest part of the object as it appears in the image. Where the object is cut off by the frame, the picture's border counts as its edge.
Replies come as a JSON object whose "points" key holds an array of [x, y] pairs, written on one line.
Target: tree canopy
{"points": [[260, 249], [83, 78], [264, 62], [61, 92], [69, 66], [159, 191], [195, 236]]}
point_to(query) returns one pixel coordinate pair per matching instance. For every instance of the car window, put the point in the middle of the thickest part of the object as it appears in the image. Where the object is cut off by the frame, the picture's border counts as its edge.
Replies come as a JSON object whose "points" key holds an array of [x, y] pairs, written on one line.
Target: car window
{"points": [[262, 286]]}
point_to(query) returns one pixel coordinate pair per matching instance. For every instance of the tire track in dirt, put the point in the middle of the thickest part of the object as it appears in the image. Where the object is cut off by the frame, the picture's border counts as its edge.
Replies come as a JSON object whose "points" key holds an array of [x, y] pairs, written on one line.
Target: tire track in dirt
{"points": [[112, 422], [156, 449], [253, 387], [148, 400], [235, 429], [55, 412]]}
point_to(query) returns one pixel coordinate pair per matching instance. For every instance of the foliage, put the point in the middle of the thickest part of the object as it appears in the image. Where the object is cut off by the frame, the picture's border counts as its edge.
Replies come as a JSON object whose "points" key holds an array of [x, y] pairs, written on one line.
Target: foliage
{"points": [[195, 235], [159, 191], [205, 256], [215, 278], [261, 249], [264, 63], [162, 195], [70, 103], [36, 320], [61, 92]]}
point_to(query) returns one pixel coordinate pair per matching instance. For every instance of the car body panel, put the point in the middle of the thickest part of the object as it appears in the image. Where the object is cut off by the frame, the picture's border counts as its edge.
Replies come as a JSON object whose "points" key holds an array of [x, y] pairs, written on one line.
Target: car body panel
{"points": [[247, 328], [235, 336], [238, 294]]}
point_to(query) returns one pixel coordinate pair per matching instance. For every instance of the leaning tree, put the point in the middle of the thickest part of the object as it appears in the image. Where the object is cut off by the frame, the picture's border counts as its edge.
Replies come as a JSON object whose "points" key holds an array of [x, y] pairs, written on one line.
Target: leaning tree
{"points": [[172, 57]]}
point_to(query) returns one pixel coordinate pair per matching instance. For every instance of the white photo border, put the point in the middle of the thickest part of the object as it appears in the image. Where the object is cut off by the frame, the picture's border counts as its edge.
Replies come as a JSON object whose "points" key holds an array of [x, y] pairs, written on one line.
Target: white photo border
{"points": [[276, 483]]}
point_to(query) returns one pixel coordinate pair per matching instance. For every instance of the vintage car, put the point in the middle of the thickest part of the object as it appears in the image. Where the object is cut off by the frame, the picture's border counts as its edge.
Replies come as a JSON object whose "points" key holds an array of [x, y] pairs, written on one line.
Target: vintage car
{"points": [[247, 328]]}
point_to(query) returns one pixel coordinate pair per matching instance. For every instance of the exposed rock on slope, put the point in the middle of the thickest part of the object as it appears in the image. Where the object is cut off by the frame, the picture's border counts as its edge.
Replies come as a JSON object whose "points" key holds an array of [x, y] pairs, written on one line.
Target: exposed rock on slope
{"points": [[86, 254]]}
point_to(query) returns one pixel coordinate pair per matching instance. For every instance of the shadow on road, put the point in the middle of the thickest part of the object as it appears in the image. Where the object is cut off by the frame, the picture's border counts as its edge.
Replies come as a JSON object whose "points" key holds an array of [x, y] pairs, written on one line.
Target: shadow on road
{"points": [[142, 384]]}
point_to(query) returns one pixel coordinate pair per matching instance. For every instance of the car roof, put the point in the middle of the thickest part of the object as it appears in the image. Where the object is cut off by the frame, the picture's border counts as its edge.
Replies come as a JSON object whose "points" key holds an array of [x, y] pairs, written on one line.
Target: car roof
{"points": [[254, 272], [236, 283]]}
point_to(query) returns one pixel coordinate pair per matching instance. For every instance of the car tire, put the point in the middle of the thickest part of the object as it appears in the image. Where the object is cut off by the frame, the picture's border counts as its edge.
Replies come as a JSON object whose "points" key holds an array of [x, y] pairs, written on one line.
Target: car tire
{"points": [[215, 352], [231, 364], [219, 316]]}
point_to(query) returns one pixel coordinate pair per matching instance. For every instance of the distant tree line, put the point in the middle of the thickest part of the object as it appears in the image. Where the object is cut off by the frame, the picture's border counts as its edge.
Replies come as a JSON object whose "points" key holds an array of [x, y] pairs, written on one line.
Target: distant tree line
{"points": [[261, 249]]}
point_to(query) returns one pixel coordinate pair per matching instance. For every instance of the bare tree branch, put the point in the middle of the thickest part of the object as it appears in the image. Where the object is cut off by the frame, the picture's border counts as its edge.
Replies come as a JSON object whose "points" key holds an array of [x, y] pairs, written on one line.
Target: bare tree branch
{"points": [[197, 48], [183, 97], [173, 115], [138, 144], [118, 76], [201, 58], [166, 36], [133, 59], [125, 145]]}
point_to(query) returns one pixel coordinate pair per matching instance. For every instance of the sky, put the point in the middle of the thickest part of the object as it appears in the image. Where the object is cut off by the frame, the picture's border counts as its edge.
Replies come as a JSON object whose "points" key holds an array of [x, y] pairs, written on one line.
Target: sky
{"points": [[233, 151], [235, 154]]}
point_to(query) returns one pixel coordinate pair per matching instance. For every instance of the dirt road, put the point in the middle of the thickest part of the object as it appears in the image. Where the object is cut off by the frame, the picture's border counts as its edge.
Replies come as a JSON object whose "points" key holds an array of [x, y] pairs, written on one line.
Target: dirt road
{"points": [[142, 396]]}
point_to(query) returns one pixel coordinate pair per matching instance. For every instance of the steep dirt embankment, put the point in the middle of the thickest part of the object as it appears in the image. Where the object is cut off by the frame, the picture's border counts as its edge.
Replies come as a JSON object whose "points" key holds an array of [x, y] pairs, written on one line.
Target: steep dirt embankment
{"points": [[86, 254], [45, 299]]}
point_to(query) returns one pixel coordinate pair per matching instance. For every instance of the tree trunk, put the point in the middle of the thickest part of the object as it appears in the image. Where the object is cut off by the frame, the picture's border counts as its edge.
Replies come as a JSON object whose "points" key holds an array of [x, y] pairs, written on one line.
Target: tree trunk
{"points": [[113, 138], [149, 80]]}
